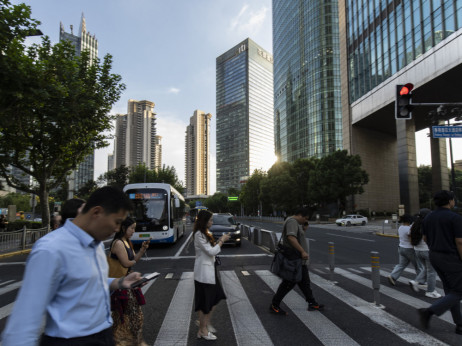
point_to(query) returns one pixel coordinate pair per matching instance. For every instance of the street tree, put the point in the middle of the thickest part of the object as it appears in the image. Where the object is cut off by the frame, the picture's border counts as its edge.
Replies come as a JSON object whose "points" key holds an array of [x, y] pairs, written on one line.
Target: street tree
{"points": [[281, 187], [117, 177], [167, 174], [87, 189], [218, 203], [54, 107], [425, 178], [250, 192]]}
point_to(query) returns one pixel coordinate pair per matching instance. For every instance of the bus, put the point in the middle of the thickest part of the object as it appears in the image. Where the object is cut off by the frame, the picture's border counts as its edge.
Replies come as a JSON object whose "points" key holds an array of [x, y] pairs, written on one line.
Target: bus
{"points": [[159, 212], [194, 211]]}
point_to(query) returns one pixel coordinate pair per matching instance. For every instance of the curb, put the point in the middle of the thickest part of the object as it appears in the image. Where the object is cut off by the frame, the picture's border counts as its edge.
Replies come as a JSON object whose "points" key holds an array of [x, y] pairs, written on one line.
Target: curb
{"points": [[387, 235], [9, 254]]}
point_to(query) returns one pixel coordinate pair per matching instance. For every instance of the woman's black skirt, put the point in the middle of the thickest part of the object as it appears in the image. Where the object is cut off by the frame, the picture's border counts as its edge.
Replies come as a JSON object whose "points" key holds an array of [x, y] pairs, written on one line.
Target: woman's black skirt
{"points": [[206, 296]]}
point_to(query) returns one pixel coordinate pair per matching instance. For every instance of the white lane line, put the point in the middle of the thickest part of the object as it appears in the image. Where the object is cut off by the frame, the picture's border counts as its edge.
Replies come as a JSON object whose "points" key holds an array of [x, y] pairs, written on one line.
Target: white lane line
{"points": [[402, 279], [11, 287], [412, 271], [145, 288], [247, 327], [12, 263], [323, 328], [6, 310], [183, 246], [392, 293], [344, 236], [175, 327], [6, 282], [221, 256], [399, 327]]}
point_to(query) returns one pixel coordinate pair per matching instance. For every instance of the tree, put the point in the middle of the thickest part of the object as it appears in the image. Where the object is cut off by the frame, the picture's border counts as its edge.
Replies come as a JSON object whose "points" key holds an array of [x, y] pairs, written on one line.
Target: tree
{"points": [[117, 177], [55, 110], [218, 203], [87, 189], [301, 172], [425, 177], [250, 192], [281, 187], [21, 201], [167, 174]]}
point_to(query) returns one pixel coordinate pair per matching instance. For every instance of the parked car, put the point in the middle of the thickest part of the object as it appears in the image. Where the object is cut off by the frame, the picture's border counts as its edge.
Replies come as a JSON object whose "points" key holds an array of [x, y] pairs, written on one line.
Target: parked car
{"points": [[225, 223], [349, 220]]}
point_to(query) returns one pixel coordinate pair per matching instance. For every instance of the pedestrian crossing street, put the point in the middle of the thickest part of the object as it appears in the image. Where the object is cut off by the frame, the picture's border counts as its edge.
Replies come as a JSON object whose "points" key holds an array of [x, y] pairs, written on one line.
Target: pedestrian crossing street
{"points": [[350, 316]]}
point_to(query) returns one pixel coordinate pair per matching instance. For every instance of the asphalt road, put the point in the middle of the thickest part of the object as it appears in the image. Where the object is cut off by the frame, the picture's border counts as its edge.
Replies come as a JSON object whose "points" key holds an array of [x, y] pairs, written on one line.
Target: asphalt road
{"points": [[350, 316]]}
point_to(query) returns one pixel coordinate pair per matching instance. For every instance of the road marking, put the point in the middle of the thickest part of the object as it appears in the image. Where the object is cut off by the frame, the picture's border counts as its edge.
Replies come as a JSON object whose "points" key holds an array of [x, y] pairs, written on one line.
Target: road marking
{"points": [[409, 270], [10, 287], [12, 263], [175, 327], [391, 292], [169, 276], [6, 310], [323, 328], [183, 246], [6, 282], [245, 272], [344, 236], [399, 327], [247, 327], [221, 256], [145, 288]]}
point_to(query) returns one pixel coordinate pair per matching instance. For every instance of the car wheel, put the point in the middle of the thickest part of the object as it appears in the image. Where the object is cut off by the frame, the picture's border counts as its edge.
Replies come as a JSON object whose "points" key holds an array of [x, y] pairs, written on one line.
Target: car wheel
{"points": [[363, 223], [339, 224], [348, 224]]}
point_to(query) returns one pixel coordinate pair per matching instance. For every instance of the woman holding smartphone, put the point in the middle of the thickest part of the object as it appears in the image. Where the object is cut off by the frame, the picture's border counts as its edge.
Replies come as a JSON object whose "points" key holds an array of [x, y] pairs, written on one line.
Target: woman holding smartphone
{"points": [[126, 303], [208, 290]]}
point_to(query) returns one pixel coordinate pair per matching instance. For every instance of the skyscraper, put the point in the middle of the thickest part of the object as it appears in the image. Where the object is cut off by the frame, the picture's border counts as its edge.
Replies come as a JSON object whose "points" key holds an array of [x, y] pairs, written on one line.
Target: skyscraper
{"points": [[136, 138], [244, 101], [307, 106], [158, 153], [197, 151], [82, 41]]}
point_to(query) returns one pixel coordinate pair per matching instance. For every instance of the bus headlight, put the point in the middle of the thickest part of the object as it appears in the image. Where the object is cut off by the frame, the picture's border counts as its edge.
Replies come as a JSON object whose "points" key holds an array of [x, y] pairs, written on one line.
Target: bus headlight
{"points": [[165, 227]]}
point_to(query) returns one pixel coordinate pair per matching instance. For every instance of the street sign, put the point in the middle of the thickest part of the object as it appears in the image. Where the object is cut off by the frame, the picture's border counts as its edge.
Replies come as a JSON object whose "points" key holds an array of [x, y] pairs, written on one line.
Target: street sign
{"points": [[447, 131], [233, 198]]}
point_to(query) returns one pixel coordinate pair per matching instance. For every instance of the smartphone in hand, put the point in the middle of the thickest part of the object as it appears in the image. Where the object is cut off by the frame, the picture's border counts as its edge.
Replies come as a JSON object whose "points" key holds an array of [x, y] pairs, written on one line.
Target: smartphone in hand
{"points": [[144, 279]]}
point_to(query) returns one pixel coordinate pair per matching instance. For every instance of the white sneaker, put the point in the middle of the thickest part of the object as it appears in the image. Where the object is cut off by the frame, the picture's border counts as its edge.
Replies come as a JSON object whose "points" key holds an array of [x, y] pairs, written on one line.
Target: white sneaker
{"points": [[433, 294], [414, 286], [210, 328]]}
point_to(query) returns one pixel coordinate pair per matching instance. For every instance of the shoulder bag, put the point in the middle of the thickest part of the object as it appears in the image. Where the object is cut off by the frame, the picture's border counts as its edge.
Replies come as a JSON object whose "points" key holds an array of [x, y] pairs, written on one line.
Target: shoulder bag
{"points": [[287, 262], [116, 269]]}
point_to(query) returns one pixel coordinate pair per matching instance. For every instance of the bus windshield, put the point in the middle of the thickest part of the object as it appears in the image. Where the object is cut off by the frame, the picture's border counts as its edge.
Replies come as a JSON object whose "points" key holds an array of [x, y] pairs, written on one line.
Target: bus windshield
{"points": [[150, 205]]}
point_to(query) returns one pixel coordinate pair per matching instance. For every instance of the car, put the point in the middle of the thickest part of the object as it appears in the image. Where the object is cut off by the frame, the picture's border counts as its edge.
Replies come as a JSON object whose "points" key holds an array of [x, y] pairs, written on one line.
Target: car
{"points": [[225, 223], [349, 220]]}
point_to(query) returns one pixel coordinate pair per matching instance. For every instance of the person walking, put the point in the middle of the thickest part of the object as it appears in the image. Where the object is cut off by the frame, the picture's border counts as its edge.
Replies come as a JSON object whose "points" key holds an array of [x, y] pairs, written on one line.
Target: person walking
{"points": [[294, 236], [126, 303], [405, 251], [71, 208], [442, 231], [207, 286], [423, 256], [66, 279]]}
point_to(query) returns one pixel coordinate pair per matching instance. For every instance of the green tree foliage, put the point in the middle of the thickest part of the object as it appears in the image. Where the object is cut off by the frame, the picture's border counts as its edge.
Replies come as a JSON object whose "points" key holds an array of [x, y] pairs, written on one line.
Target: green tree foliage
{"points": [[218, 203], [117, 177], [87, 189], [21, 201], [425, 186], [301, 171], [280, 187], [167, 174], [54, 105], [250, 192]]}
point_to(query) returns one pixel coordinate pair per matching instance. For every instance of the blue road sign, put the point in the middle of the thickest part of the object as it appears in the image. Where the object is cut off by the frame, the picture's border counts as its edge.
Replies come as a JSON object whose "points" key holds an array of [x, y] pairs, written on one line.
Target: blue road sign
{"points": [[447, 131]]}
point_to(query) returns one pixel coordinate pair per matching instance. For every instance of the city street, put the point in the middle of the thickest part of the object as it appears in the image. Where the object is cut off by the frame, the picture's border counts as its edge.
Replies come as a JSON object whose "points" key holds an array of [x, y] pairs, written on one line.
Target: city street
{"points": [[350, 316]]}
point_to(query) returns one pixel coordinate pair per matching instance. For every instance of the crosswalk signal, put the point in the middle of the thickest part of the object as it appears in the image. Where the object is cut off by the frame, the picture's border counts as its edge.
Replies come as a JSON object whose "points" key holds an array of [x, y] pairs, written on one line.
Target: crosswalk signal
{"points": [[403, 102]]}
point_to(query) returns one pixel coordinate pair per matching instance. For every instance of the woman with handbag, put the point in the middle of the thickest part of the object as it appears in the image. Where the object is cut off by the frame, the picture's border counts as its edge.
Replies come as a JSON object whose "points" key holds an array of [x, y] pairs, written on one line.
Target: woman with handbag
{"points": [[126, 303], [208, 290]]}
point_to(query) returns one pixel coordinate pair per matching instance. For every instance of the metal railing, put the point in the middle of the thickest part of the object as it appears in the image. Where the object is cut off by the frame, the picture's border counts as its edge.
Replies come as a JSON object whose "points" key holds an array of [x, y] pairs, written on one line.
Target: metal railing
{"points": [[21, 239]]}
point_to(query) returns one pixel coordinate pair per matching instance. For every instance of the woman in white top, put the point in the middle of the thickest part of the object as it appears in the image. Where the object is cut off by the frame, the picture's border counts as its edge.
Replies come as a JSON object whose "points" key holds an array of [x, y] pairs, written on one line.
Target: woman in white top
{"points": [[405, 250], [208, 291], [423, 256]]}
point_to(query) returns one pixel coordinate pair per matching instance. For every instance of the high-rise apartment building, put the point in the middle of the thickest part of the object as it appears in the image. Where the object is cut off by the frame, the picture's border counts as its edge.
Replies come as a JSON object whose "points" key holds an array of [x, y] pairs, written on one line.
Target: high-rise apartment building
{"points": [[158, 153], [82, 41], [136, 139], [244, 101], [307, 107], [197, 151]]}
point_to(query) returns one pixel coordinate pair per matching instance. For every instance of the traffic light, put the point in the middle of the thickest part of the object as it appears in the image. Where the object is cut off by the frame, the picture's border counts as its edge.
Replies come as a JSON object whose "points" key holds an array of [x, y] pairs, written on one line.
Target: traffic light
{"points": [[403, 102]]}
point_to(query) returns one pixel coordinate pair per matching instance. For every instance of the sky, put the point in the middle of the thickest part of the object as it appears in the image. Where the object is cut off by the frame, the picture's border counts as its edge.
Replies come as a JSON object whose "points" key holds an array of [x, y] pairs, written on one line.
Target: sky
{"points": [[165, 51]]}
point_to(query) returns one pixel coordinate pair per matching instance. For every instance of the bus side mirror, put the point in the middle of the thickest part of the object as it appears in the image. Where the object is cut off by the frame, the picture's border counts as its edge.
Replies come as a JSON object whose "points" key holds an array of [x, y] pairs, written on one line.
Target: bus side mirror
{"points": [[177, 203]]}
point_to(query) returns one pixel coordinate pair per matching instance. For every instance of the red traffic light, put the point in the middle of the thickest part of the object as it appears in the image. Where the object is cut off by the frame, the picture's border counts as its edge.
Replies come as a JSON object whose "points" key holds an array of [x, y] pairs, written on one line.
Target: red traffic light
{"points": [[406, 89]]}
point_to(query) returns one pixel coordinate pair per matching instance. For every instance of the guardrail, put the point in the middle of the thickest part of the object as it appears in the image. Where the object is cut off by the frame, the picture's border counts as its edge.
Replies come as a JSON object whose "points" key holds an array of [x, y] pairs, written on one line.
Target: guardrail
{"points": [[260, 237], [261, 218], [21, 239]]}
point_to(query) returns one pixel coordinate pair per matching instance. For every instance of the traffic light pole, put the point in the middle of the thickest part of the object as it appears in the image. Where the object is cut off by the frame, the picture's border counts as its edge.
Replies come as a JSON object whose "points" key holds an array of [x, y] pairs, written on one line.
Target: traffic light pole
{"points": [[438, 104]]}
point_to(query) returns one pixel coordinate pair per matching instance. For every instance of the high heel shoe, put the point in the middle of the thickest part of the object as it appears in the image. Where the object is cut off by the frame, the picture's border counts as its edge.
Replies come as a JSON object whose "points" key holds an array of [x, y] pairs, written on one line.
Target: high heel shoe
{"points": [[209, 336]]}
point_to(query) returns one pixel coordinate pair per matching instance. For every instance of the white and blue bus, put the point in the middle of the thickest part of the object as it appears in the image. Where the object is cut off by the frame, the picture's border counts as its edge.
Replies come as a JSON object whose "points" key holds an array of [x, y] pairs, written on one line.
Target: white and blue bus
{"points": [[159, 212]]}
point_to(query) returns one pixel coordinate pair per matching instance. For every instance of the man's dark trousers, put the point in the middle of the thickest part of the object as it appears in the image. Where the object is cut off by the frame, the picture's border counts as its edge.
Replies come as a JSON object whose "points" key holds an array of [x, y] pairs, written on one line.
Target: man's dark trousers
{"points": [[286, 286], [449, 268]]}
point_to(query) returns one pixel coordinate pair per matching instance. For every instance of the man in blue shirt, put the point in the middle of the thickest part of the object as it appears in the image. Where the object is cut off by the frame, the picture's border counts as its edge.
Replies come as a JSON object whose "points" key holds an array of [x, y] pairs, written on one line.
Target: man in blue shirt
{"points": [[442, 231], [66, 279]]}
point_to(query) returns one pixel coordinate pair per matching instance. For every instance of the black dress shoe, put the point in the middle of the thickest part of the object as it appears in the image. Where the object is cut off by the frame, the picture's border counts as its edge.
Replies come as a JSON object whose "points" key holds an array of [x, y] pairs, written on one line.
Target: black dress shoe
{"points": [[459, 329], [424, 316]]}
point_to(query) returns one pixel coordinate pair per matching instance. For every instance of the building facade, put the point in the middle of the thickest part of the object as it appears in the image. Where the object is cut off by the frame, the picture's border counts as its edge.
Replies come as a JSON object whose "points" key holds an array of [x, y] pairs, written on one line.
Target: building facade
{"points": [[197, 150], [384, 43], [136, 139], [307, 94], [244, 101], [158, 153], [82, 41]]}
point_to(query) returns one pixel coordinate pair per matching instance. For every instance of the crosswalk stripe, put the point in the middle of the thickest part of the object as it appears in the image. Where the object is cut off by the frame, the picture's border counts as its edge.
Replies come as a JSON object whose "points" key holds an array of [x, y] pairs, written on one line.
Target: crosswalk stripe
{"points": [[10, 287], [248, 328], [175, 327], [400, 328], [392, 293], [323, 328], [412, 271], [5, 311], [6, 282]]}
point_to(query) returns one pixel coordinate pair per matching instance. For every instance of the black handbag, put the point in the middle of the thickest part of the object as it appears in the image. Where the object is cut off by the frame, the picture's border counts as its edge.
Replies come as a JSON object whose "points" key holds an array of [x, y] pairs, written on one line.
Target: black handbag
{"points": [[287, 263]]}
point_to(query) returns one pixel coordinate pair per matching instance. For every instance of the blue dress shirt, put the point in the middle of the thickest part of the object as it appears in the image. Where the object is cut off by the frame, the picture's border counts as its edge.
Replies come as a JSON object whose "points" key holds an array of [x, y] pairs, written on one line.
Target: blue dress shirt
{"points": [[66, 278]]}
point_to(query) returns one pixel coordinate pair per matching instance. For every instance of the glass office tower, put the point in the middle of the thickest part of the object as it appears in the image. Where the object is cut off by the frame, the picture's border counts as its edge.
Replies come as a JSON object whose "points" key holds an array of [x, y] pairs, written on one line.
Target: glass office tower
{"points": [[384, 36], [244, 101], [307, 104]]}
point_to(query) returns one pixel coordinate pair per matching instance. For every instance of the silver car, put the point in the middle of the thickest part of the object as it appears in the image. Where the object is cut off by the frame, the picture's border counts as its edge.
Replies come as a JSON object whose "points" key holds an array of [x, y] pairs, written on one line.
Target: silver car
{"points": [[350, 220]]}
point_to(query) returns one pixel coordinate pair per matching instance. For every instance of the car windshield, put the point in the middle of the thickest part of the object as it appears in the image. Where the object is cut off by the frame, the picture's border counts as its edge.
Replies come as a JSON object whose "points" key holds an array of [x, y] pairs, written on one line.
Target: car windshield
{"points": [[225, 220]]}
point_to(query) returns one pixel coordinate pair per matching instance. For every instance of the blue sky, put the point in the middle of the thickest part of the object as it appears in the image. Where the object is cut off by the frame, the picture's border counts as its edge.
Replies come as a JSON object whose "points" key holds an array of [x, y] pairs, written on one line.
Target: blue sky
{"points": [[165, 51]]}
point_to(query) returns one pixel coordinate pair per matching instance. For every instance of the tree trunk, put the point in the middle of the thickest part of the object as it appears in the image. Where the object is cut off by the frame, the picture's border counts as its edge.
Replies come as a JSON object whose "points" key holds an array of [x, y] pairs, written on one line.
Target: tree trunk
{"points": [[43, 194]]}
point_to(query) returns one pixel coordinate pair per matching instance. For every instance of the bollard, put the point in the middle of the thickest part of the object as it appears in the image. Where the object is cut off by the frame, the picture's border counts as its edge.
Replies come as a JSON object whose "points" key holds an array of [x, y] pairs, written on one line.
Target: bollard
{"points": [[375, 272], [331, 259]]}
